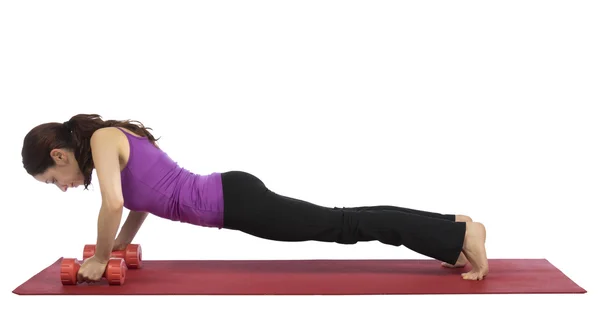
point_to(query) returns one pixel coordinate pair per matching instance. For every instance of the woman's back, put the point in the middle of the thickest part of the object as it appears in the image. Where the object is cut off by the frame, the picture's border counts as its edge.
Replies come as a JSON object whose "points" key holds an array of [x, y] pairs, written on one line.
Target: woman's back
{"points": [[152, 182]]}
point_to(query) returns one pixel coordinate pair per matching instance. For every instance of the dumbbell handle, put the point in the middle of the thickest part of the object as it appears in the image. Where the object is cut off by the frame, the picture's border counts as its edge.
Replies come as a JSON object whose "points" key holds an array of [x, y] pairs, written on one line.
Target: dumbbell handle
{"points": [[118, 254], [132, 254], [114, 272]]}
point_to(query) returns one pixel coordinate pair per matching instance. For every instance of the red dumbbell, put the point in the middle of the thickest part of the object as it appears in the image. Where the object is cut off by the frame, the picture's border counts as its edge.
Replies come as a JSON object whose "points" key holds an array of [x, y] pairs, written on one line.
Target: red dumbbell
{"points": [[132, 254], [114, 273]]}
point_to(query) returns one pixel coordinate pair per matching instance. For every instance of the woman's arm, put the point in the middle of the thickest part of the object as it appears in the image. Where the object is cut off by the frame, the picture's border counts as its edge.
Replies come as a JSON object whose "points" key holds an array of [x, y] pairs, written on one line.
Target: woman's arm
{"points": [[130, 228], [105, 153]]}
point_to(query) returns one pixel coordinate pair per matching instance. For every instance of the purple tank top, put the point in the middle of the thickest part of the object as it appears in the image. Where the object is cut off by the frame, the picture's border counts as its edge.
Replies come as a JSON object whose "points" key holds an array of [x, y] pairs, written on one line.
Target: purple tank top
{"points": [[154, 183]]}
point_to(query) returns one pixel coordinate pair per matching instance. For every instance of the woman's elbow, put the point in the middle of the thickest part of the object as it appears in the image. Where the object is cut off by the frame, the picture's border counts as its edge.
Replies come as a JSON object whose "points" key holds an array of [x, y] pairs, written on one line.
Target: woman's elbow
{"points": [[113, 205]]}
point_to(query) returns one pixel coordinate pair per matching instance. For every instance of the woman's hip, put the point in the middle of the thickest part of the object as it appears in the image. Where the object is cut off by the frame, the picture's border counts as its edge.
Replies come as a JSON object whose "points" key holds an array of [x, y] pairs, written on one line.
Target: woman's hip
{"points": [[251, 207]]}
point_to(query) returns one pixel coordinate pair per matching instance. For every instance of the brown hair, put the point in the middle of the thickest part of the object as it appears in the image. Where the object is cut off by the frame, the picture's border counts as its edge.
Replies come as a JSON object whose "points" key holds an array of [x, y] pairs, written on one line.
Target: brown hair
{"points": [[72, 135]]}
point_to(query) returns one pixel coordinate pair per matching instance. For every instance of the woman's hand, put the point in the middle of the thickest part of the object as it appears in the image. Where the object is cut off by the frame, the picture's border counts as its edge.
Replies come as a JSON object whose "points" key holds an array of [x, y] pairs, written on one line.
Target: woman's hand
{"points": [[91, 270]]}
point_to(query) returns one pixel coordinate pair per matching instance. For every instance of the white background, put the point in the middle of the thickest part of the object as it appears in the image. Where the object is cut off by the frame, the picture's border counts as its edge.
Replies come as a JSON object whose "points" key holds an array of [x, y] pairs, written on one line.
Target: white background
{"points": [[469, 107]]}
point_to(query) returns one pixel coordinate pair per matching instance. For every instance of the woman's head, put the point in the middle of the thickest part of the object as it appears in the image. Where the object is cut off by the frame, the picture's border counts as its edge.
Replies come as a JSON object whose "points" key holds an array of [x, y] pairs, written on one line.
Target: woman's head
{"points": [[59, 153]]}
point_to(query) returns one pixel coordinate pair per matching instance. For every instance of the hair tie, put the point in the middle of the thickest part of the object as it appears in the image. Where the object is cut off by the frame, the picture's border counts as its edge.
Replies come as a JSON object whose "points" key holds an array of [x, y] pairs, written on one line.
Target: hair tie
{"points": [[67, 124]]}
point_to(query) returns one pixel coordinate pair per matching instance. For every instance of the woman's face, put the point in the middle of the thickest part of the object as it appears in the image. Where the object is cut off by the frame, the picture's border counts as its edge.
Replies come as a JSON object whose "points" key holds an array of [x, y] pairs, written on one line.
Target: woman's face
{"points": [[65, 174]]}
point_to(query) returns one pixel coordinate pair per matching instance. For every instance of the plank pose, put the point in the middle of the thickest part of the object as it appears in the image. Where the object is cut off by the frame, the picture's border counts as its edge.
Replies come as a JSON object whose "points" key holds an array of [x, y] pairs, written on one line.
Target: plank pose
{"points": [[134, 173]]}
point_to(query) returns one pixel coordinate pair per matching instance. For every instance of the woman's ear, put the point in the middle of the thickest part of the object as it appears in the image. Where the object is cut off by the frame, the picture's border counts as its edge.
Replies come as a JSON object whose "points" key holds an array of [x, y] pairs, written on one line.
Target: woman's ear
{"points": [[59, 156]]}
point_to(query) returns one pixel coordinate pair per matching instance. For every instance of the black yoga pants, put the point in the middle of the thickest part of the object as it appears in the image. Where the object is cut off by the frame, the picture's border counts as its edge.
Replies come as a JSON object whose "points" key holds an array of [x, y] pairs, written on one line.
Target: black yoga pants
{"points": [[250, 207]]}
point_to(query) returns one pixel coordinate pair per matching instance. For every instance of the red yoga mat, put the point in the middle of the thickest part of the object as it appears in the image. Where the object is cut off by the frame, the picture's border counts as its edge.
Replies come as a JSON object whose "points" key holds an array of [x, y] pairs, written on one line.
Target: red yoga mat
{"points": [[312, 277]]}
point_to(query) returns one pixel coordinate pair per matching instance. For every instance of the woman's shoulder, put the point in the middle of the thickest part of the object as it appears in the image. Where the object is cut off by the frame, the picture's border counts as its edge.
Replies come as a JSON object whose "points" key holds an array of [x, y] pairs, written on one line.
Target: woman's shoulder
{"points": [[113, 136], [117, 137], [110, 140], [113, 132]]}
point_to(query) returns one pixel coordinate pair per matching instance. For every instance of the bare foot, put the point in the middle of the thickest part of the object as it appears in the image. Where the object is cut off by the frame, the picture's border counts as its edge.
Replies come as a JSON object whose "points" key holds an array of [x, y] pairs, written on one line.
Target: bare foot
{"points": [[461, 262], [462, 218], [474, 250]]}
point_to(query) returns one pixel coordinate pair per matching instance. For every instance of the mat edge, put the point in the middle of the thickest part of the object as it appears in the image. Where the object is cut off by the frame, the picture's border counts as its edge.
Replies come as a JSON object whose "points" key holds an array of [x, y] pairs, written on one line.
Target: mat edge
{"points": [[18, 289]]}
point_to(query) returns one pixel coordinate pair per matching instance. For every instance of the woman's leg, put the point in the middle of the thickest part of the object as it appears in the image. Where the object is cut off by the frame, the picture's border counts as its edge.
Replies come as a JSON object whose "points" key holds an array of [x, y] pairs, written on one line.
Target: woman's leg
{"points": [[462, 259], [254, 209], [448, 217]]}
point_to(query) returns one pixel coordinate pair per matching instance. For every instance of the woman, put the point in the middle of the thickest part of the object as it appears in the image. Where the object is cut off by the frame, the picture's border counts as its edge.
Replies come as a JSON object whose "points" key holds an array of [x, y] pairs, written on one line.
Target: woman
{"points": [[134, 173]]}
